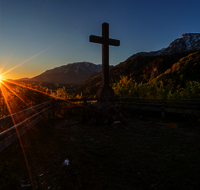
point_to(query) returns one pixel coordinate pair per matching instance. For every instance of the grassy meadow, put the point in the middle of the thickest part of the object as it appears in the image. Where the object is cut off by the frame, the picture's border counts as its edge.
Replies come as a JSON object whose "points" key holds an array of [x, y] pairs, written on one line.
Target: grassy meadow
{"points": [[142, 154]]}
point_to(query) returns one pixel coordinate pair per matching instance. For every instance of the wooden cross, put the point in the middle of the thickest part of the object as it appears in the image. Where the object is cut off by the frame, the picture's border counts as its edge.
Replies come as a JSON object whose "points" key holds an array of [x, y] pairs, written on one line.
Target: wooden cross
{"points": [[105, 92], [105, 41]]}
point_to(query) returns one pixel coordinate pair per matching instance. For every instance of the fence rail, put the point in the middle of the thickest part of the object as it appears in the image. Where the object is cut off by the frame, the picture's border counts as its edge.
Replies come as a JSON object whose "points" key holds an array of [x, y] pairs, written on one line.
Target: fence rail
{"points": [[179, 106], [190, 101], [73, 103], [19, 115], [38, 112], [189, 106]]}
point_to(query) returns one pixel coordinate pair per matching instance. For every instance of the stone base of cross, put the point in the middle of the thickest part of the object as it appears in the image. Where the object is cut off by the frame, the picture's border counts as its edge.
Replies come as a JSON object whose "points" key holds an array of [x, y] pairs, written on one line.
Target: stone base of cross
{"points": [[105, 93]]}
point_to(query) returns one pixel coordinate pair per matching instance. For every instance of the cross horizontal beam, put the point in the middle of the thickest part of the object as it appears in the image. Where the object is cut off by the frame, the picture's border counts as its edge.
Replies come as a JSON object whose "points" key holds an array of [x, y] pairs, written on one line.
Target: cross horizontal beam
{"points": [[105, 92], [100, 40]]}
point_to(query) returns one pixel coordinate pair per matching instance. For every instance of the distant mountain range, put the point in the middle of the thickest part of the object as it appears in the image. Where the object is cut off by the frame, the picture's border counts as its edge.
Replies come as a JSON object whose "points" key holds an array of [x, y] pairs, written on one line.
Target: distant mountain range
{"points": [[142, 66], [71, 73], [145, 66]]}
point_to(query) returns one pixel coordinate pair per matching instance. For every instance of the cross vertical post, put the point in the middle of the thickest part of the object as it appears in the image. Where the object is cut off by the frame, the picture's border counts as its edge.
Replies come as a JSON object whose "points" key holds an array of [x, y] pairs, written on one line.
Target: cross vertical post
{"points": [[105, 54], [105, 93]]}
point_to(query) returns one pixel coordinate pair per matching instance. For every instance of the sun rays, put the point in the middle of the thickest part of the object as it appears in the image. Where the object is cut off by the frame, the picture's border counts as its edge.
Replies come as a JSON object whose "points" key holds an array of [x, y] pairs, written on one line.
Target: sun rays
{"points": [[15, 100], [8, 93], [31, 57], [3, 89]]}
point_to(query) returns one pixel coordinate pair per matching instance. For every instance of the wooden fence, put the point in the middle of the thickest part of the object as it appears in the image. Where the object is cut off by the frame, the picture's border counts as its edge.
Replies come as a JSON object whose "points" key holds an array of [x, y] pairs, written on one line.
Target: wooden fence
{"points": [[26, 119], [69, 104], [163, 106], [22, 121], [176, 106]]}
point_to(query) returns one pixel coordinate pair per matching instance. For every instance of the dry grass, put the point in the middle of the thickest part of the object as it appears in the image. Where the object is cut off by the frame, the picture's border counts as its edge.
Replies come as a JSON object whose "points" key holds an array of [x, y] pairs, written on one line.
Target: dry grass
{"points": [[139, 155]]}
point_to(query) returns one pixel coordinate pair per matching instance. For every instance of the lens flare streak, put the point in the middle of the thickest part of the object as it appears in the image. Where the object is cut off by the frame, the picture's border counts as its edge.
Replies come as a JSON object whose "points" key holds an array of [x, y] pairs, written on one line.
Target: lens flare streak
{"points": [[32, 57], [18, 96], [50, 95], [5, 96]]}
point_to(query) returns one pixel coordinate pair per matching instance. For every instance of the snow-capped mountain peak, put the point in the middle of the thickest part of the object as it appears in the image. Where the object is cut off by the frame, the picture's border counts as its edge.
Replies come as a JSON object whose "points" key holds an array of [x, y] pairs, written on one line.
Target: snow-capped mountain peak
{"points": [[70, 73], [187, 42]]}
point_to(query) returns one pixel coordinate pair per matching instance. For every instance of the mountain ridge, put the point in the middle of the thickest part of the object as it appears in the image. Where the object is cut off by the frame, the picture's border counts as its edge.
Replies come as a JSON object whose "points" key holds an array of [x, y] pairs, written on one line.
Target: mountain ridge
{"points": [[144, 66], [186, 42], [71, 73]]}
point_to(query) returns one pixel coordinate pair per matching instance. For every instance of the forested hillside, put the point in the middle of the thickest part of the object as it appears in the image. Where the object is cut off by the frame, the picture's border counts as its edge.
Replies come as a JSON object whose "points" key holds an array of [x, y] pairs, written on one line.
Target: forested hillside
{"points": [[140, 68], [181, 81], [186, 69], [169, 76], [20, 96]]}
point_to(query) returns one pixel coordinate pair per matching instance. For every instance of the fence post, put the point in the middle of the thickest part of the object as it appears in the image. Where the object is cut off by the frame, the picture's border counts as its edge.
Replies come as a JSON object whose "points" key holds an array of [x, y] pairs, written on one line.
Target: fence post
{"points": [[85, 101], [131, 109], [163, 108], [48, 115], [85, 109], [85, 104], [53, 108]]}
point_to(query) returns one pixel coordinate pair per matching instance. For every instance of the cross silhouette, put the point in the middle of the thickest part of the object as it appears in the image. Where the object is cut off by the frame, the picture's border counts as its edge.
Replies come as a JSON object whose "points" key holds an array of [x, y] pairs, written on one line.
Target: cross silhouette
{"points": [[105, 92], [105, 41]]}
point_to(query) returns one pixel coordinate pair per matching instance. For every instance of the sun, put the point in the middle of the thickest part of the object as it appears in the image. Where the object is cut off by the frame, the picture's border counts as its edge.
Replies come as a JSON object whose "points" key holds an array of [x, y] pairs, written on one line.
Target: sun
{"points": [[1, 79]]}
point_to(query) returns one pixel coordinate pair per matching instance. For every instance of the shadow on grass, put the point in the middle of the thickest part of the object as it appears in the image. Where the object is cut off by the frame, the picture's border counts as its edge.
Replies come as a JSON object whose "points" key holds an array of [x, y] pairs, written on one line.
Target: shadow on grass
{"points": [[142, 154]]}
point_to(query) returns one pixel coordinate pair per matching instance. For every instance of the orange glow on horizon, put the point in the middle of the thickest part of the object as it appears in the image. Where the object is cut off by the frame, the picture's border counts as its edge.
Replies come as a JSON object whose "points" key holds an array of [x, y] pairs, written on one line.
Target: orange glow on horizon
{"points": [[31, 57], [2, 78], [7, 93]]}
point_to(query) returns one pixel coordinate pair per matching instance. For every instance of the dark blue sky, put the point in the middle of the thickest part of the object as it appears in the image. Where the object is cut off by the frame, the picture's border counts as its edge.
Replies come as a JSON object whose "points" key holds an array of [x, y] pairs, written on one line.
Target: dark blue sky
{"points": [[28, 27]]}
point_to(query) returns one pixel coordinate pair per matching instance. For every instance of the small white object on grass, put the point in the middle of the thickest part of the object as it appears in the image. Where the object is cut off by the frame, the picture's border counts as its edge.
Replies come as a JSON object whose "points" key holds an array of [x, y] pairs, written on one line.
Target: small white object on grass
{"points": [[66, 162], [116, 124]]}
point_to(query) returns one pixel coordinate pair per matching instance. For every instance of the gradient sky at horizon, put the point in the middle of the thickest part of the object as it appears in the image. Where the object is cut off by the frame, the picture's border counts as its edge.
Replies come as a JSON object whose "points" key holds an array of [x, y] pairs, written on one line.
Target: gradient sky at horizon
{"points": [[62, 28]]}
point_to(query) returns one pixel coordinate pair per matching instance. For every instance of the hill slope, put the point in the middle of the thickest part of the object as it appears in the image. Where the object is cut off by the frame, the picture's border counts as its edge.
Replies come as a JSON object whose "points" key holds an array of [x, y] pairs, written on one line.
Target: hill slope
{"points": [[145, 66], [186, 69], [141, 68], [68, 74]]}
